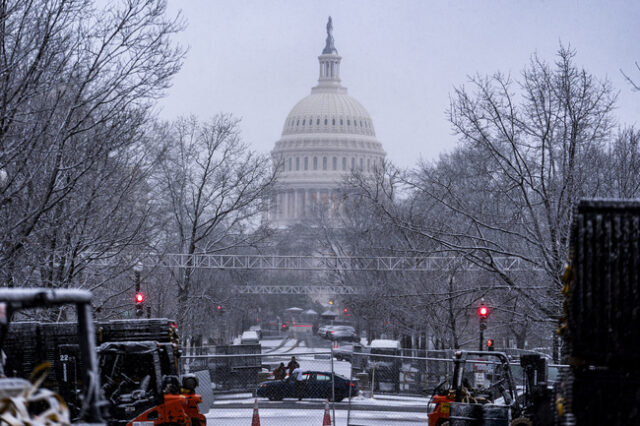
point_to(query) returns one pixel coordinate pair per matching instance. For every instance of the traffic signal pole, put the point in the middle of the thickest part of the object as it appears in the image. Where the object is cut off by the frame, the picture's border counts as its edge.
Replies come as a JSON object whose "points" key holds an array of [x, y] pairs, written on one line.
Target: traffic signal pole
{"points": [[483, 313]]}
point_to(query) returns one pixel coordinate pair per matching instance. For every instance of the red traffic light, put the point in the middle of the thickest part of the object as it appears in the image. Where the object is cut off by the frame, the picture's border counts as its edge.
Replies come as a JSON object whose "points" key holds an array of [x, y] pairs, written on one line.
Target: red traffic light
{"points": [[346, 310], [483, 311], [219, 307], [139, 298]]}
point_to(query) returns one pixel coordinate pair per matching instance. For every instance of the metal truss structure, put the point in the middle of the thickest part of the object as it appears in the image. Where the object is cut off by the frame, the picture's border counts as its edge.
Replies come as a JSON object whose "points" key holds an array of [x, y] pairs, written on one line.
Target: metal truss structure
{"points": [[295, 289], [335, 264], [318, 263]]}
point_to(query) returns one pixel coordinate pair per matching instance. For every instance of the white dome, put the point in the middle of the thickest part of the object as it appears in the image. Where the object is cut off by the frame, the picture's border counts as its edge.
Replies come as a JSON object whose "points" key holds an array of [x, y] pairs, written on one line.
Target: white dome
{"points": [[328, 111], [326, 136]]}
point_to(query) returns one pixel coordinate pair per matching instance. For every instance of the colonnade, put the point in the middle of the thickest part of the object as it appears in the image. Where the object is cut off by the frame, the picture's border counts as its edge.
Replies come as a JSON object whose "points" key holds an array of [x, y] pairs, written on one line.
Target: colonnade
{"points": [[303, 203]]}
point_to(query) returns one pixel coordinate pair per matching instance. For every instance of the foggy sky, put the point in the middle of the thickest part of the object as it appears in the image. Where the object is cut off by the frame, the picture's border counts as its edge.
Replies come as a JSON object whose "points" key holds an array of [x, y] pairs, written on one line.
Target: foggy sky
{"points": [[400, 59]]}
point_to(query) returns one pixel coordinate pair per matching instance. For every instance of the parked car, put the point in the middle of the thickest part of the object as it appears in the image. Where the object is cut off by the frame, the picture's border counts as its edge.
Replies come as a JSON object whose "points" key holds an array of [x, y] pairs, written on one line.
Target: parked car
{"points": [[317, 385], [343, 332], [249, 338], [345, 353], [257, 329]]}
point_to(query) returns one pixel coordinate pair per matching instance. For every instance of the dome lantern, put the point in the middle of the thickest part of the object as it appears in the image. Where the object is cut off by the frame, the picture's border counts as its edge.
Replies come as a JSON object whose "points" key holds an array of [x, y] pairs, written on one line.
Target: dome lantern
{"points": [[329, 62]]}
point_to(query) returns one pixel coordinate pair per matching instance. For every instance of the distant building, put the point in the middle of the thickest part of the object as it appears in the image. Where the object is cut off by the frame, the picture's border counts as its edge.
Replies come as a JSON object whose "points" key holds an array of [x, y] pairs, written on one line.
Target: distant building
{"points": [[325, 136]]}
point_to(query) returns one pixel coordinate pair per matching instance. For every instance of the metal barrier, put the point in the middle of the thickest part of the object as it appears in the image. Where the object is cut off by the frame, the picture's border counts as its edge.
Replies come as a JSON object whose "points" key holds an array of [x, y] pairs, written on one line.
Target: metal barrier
{"points": [[361, 387]]}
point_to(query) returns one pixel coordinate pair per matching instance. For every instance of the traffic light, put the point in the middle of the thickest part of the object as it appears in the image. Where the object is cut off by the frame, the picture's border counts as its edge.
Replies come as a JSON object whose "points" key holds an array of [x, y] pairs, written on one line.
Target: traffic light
{"points": [[139, 299], [483, 311], [490, 345], [219, 309]]}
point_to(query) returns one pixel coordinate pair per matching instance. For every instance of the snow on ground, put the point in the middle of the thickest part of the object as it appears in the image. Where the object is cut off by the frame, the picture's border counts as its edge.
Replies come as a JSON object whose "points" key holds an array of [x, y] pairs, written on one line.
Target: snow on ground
{"points": [[378, 401], [284, 417]]}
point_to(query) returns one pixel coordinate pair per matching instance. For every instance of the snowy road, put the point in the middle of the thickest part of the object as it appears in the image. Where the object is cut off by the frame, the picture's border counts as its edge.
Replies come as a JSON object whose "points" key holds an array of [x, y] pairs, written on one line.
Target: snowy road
{"points": [[282, 417]]}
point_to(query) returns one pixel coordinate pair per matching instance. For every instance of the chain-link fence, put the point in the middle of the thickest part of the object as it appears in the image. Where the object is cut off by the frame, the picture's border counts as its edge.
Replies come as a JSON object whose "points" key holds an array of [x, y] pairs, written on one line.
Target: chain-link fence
{"points": [[363, 386]]}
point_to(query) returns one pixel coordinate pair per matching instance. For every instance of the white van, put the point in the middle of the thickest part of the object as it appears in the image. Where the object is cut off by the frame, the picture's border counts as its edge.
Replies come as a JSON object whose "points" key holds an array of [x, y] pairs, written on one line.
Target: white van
{"points": [[249, 338]]}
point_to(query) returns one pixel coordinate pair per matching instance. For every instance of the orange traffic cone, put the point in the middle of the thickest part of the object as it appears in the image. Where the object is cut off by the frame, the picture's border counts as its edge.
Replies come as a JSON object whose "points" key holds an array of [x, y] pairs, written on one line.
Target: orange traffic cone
{"points": [[255, 421], [326, 421]]}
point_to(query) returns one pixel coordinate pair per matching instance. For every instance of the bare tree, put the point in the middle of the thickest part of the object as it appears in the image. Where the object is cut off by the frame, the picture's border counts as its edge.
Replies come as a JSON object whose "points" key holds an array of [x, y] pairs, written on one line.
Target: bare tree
{"points": [[213, 189], [528, 160], [623, 168], [630, 80], [77, 84]]}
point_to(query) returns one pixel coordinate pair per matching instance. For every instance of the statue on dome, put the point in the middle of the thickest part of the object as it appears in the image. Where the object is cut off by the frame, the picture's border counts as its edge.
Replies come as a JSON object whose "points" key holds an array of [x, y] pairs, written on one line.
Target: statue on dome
{"points": [[329, 47]]}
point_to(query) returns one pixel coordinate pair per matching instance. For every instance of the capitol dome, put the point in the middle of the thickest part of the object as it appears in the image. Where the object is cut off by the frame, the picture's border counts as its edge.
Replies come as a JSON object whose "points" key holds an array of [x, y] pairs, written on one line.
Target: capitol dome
{"points": [[325, 136]]}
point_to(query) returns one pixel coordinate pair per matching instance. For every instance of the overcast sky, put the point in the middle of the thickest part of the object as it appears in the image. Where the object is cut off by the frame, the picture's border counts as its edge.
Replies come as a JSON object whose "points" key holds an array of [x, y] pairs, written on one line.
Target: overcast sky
{"points": [[400, 59]]}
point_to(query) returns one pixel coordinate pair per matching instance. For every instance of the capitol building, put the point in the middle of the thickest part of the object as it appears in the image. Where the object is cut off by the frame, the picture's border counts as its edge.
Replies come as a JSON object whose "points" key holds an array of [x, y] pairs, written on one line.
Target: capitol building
{"points": [[325, 136]]}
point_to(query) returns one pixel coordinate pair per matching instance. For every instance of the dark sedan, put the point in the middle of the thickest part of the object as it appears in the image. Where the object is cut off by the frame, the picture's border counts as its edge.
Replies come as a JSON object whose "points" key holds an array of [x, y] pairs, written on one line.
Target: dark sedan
{"points": [[317, 385]]}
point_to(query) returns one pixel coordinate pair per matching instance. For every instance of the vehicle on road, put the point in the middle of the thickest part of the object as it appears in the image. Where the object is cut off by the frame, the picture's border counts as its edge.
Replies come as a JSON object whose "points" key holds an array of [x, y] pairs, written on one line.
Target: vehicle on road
{"points": [[324, 330], [345, 353], [249, 338], [342, 332], [317, 385]]}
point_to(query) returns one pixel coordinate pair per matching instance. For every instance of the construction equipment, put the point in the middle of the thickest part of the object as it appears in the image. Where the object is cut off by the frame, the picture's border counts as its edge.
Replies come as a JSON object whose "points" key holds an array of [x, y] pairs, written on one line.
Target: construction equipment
{"points": [[138, 365], [28, 404], [601, 315], [481, 392]]}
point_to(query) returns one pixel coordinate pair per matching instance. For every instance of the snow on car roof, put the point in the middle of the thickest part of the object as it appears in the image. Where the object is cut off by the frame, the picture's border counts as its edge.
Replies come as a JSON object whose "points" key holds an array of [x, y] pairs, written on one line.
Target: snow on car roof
{"points": [[385, 343], [249, 335]]}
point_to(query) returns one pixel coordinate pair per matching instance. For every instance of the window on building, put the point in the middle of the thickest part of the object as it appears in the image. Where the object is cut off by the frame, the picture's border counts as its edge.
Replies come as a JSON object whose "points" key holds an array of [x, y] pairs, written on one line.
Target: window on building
{"points": [[290, 161], [315, 163], [361, 164], [333, 121], [355, 123], [306, 163], [297, 163], [324, 163], [335, 163], [368, 165], [326, 121], [318, 122], [344, 163], [348, 122], [353, 163], [303, 121], [341, 121]]}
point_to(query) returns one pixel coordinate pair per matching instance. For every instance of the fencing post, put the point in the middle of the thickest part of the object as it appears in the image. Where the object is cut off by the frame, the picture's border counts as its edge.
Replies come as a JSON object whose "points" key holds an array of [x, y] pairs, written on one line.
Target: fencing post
{"points": [[353, 357], [333, 390], [373, 379]]}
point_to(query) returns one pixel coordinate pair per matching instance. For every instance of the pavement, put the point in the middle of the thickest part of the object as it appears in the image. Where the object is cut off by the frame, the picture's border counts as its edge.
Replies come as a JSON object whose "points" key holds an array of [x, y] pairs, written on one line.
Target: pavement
{"points": [[390, 403]]}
